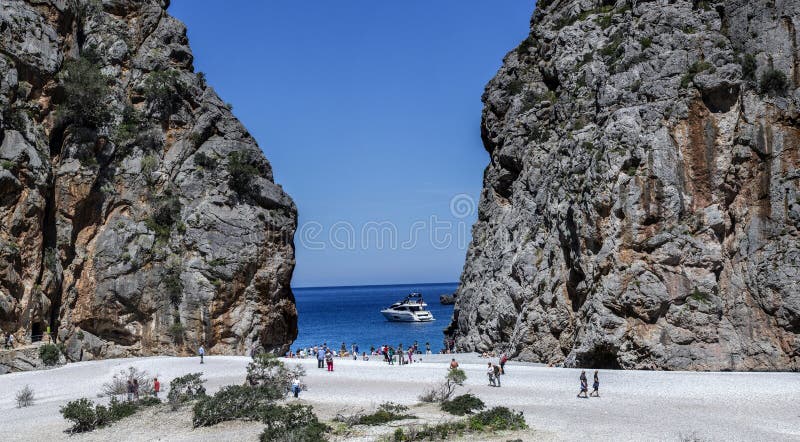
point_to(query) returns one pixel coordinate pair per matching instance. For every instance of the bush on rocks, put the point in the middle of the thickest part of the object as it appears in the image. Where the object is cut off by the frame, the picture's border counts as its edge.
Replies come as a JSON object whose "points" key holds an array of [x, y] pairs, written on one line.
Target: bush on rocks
{"points": [[50, 354], [463, 404], [186, 388]]}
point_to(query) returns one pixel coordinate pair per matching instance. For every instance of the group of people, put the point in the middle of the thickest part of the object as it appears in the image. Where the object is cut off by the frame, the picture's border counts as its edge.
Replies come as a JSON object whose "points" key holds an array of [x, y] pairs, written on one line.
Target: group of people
{"points": [[494, 371], [133, 388], [585, 386], [324, 353]]}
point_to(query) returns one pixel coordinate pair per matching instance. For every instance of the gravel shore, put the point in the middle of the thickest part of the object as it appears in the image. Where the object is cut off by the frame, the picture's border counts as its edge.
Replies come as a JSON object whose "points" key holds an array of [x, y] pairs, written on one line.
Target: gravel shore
{"points": [[634, 405]]}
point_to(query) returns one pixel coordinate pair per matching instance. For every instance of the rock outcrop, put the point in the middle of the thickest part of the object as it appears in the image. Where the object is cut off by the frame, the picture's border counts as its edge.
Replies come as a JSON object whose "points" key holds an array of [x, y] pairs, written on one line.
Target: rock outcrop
{"points": [[642, 204], [137, 215]]}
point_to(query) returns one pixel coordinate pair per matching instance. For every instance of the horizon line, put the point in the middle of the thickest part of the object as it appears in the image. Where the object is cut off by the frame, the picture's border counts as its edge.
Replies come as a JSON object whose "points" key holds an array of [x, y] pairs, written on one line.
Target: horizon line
{"points": [[371, 285]]}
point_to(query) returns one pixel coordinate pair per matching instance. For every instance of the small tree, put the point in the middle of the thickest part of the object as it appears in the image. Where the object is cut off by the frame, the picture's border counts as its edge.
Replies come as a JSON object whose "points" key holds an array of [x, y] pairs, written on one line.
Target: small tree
{"points": [[441, 392], [25, 397], [119, 383], [86, 94], [268, 371]]}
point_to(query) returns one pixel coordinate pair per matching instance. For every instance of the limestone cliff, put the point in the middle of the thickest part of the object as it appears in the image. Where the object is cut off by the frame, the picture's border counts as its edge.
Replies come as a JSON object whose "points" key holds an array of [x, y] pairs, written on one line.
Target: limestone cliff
{"points": [[641, 207], [138, 215]]}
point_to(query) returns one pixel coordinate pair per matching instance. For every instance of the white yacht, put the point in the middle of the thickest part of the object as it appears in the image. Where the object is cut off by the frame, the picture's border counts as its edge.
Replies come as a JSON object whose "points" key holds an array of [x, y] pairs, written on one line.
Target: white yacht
{"points": [[410, 309]]}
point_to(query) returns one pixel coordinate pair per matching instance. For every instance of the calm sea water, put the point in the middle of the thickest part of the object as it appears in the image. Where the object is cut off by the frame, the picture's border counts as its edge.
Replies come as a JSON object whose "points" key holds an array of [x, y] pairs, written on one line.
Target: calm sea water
{"points": [[353, 314]]}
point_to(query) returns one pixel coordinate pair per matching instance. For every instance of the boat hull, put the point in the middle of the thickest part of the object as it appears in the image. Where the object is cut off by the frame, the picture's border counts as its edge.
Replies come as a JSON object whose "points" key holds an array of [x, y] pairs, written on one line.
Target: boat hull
{"points": [[395, 316]]}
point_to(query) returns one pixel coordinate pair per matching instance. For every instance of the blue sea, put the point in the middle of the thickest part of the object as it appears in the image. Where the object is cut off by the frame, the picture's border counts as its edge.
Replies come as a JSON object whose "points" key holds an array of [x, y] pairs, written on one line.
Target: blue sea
{"points": [[353, 314]]}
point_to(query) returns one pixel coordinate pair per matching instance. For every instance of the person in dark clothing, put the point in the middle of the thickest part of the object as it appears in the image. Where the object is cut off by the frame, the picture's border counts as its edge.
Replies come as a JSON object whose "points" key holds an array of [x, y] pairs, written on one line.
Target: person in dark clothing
{"points": [[136, 389], [596, 385], [129, 388], [584, 386]]}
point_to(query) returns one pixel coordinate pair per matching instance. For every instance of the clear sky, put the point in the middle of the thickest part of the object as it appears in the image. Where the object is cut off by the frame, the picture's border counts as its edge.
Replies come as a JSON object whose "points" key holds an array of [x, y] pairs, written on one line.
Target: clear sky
{"points": [[369, 112]]}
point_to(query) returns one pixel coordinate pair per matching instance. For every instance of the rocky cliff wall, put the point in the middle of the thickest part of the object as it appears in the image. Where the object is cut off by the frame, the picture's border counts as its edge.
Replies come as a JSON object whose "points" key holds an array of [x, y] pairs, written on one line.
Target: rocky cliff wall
{"points": [[641, 207], [138, 216]]}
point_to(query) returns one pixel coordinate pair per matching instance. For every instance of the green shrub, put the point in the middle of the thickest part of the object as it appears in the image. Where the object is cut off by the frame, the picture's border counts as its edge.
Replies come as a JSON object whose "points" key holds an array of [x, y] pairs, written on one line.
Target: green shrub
{"points": [[132, 123], [7, 165], [162, 91], [696, 68], [86, 94], [749, 67], [205, 161], [295, 423], [176, 330], [173, 284], [149, 401], [497, 419], [773, 82], [387, 412], [166, 214], [121, 409], [186, 388], [50, 354], [83, 415], [463, 404], [645, 42], [242, 170], [149, 166], [231, 403]]}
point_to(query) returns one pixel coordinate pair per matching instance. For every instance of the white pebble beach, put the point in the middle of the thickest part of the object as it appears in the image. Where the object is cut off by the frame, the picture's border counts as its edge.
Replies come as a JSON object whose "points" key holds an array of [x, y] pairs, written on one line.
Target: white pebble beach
{"points": [[633, 405]]}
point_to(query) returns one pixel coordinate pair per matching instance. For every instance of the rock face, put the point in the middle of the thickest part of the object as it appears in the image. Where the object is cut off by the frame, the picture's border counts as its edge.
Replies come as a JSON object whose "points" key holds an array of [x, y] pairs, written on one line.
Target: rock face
{"points": [[641, 207], [138, 215]]}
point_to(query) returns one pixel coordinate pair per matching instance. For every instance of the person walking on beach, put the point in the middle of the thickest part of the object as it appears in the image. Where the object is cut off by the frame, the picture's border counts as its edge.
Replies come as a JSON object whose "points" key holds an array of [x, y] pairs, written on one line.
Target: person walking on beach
{"points": [[453, 364], [596, 385], [296, 387], [584, 386], [320, 358], [428, 348], [490, 373], [503, 360], [329, 360], [343, 350], [391, 355], [410, 355], [497, 373], [202, 352], [156, 386]]}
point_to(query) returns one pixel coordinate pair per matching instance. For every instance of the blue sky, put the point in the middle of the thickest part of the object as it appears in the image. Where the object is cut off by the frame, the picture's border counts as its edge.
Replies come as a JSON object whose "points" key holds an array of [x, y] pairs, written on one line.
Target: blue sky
{"points": [[369, 112]]}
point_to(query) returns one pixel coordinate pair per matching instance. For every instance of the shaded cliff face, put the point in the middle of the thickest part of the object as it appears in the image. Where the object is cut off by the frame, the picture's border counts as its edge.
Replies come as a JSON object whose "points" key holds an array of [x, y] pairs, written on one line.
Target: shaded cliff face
{"points": [[138, 215], [641, 207]]}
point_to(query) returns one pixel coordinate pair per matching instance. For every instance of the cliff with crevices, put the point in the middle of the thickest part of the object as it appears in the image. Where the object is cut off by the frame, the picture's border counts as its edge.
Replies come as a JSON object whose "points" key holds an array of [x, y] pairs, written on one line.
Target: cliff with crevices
{"points": [[642, 203], [138, 216]]}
